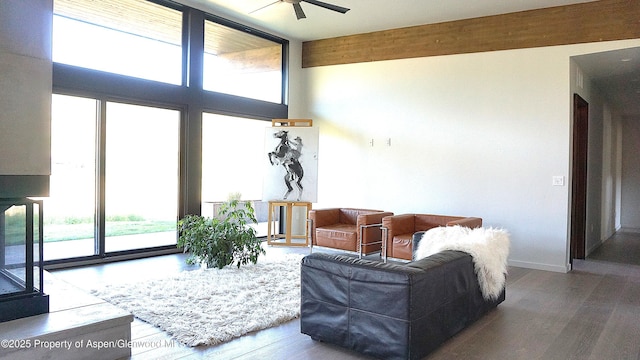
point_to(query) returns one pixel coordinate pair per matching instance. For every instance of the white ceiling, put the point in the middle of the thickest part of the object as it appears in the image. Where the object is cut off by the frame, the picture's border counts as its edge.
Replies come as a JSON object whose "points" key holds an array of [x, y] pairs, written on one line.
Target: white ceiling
{"points": [[619, 80], [617, 74], [364, 16]]}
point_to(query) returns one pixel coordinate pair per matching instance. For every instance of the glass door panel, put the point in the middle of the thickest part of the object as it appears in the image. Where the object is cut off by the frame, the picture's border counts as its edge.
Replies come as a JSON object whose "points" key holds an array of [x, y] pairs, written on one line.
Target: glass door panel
{"points": [[141, 177], [69, 210]]}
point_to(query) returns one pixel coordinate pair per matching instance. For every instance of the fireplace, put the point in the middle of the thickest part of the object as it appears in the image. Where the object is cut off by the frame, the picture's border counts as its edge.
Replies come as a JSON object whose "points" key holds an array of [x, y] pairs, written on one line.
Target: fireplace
{"points": [[21, 281]]}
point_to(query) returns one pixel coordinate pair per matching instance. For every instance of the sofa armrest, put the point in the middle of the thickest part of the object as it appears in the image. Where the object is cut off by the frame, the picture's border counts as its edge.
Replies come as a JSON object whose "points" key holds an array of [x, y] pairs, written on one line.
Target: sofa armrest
{"points": [[369, 226], [372, 218], [319, 218], [470, 222], [393, 226]]}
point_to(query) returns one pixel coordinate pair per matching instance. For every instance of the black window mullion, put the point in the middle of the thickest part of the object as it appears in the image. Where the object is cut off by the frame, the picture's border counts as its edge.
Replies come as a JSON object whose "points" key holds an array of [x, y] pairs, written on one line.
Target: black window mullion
{"points": [[285, 77], [191, 129], [101, 145]]}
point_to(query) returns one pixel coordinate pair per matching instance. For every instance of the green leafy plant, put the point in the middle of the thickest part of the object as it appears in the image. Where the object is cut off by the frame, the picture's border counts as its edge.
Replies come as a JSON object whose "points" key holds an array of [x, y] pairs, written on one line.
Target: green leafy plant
{"points": [[222, 240]]}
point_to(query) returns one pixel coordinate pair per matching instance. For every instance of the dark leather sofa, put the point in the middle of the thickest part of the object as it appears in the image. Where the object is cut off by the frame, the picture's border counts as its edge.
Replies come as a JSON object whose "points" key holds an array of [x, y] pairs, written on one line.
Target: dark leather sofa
{"points": [[390, 310]]}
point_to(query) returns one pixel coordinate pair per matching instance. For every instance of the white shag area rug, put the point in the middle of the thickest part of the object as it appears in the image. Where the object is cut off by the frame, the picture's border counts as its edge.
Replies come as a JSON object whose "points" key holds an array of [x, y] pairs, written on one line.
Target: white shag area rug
{"points": [[488, 247], [211, 306]]}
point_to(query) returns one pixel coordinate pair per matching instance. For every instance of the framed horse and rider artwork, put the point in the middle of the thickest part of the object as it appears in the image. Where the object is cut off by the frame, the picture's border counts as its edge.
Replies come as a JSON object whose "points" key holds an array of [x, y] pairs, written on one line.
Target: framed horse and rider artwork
{"points": [[291, 162]]}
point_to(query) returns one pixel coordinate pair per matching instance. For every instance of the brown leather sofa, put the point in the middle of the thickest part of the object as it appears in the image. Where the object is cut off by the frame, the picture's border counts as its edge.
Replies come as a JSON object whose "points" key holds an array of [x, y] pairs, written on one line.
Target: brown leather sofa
{"points": [[347, 229], [398, 230]]}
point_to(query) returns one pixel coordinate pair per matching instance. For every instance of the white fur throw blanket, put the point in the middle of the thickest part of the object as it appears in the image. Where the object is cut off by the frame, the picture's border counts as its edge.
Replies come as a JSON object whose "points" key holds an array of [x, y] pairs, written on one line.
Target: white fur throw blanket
{"points": [[489, 248]]}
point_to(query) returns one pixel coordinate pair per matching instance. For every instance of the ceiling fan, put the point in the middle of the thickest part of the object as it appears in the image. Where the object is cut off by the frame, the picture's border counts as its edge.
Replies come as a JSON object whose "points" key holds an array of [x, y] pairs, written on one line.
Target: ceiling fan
{"points": [[298, 9]]}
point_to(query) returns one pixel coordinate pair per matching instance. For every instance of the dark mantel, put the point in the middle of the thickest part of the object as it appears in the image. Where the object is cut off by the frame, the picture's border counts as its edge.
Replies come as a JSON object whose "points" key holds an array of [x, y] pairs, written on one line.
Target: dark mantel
{"points": [[18, 186]]}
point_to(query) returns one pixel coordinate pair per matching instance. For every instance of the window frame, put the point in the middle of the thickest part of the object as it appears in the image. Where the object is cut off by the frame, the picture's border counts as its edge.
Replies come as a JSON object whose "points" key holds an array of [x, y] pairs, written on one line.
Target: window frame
{"points": [[190, 98]]}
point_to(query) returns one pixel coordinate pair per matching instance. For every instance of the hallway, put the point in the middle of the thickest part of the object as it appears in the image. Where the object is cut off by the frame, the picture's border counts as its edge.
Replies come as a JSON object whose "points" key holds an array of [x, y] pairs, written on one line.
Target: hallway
{"points": [[621, 248]]}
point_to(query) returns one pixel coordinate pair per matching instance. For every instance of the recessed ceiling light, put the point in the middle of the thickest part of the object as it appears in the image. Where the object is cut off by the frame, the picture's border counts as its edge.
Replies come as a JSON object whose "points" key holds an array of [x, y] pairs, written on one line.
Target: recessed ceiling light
{"points": [[626, 59]]}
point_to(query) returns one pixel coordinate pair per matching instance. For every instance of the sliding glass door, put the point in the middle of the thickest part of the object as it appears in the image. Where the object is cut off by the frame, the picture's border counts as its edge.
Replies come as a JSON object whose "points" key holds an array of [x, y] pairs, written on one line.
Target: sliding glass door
{"points": [[114, 178], [70, 209], [141, 176]]}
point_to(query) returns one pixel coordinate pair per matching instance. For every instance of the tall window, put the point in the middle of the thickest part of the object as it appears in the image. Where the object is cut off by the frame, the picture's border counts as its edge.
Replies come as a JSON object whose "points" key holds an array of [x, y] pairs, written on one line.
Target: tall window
{"points": [[142, 167], [132, 161], [70, 209], [128, 37], [233, 161], [242, 64]]}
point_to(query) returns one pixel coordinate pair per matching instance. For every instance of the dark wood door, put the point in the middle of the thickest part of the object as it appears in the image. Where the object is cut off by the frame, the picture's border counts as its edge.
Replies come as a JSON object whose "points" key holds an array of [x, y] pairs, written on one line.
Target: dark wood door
{"points": [[579, 176]]}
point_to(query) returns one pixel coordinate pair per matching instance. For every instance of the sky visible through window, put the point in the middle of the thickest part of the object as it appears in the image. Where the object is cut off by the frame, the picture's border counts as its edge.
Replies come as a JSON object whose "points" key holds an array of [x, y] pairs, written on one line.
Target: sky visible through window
{"points": [[95, 47]]}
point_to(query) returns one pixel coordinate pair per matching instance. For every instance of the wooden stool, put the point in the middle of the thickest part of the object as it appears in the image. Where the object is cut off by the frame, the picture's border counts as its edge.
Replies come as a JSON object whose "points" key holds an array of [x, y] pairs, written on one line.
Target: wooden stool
{"points": [[273, 235]]}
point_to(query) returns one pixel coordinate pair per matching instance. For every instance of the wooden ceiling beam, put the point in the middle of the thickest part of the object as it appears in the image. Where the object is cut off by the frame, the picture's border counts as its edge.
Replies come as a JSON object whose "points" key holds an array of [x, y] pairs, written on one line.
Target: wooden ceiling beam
{"points": [[603, 20]]}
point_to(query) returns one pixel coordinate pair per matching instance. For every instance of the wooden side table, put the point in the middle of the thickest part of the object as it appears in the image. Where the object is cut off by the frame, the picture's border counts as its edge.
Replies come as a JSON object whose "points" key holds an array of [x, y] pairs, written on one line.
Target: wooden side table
{"points": [[273, 235]]}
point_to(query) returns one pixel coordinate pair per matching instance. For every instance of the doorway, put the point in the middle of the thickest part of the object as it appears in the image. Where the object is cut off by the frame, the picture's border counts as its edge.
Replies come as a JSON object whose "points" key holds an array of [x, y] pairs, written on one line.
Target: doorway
{"points": [[579, 176]]}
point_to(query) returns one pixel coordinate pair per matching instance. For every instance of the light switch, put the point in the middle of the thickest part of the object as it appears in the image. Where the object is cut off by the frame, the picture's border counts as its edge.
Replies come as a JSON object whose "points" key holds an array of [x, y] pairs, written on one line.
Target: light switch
{"points": [[558, 181]]}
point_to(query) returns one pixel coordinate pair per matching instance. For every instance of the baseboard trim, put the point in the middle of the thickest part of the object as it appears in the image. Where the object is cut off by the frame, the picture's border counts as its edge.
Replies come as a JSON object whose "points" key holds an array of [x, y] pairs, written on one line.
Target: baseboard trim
{"points": [[94, 260], [630, 230], [539, 266], [594, 247]]}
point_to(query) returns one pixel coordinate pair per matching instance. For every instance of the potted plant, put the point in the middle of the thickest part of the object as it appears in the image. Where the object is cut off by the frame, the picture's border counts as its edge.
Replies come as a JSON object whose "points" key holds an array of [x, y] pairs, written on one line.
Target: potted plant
{"points": [[223, 239]]}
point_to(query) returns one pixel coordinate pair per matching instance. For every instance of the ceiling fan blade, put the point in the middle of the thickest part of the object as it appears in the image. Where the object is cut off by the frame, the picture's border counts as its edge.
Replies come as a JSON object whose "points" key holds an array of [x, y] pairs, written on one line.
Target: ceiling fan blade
{"points": [[266, 6], [337, 8], [298, 9]]}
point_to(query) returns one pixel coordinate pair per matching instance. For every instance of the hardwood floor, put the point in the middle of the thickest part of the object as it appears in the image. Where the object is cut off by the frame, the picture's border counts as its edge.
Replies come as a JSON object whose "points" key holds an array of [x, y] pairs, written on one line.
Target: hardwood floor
{"points": [[621, 248], [593, 312]]}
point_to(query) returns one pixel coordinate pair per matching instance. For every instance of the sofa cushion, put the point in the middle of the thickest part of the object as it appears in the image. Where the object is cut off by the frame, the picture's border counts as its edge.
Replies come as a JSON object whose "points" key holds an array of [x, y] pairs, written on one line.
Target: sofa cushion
{"points": [[338, 236]]}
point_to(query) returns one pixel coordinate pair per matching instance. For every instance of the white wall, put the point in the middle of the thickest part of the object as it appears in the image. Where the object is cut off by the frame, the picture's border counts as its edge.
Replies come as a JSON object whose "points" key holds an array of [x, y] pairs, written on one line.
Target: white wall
{"points": [[619, 151], [610, 155], [25, 87], [475, 134], [630, 187]]}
